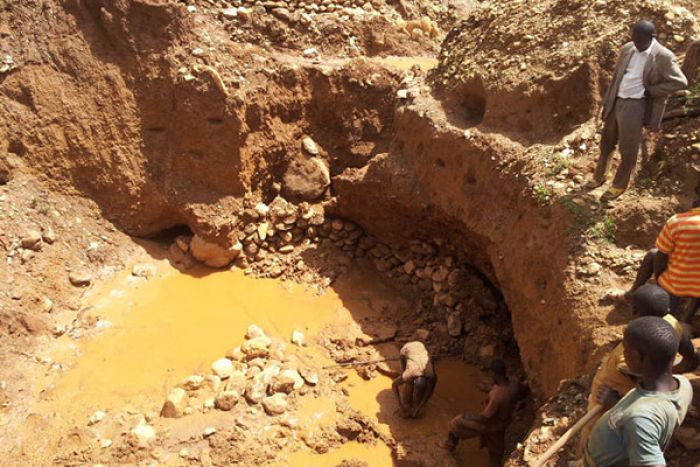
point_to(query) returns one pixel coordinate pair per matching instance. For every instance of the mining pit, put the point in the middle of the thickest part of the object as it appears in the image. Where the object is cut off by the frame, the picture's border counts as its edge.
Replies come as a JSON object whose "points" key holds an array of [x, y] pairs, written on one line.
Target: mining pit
{"points": [[208, 207]]}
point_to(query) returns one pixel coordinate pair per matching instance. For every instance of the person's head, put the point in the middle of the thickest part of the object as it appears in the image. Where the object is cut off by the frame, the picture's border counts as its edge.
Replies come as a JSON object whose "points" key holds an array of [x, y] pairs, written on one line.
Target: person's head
{"points": [[643, 33], [650, 346], [498, 369], [650, 300]]}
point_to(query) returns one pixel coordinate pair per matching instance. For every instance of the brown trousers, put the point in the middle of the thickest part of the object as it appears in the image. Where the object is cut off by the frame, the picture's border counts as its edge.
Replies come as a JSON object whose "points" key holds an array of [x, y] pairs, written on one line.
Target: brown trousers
{"points": [[623, 127]]}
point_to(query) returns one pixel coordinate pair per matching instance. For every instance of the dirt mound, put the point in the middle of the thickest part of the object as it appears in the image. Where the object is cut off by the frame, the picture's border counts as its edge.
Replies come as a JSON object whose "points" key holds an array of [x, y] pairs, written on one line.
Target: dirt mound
{"points": [[534, 70]]}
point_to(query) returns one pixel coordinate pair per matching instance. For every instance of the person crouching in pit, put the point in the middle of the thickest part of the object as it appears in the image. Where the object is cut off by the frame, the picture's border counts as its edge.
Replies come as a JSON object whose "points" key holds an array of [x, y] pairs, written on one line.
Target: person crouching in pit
{"points": [[418, 376]]}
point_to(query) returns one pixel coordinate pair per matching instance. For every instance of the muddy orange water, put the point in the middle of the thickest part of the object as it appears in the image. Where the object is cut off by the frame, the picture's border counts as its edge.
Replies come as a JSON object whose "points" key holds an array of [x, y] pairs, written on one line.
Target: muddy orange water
{"points": [[160, 330]]}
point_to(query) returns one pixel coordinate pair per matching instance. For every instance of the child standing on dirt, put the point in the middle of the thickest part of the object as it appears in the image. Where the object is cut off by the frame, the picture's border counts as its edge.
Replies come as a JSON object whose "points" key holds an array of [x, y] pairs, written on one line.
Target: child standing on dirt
{"points": [[637, 428], [418, 374]]}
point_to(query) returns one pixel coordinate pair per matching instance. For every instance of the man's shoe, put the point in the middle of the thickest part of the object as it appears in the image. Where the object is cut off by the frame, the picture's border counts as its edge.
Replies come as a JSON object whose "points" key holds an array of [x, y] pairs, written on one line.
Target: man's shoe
{"points": [[612, 193], [594, 183]]}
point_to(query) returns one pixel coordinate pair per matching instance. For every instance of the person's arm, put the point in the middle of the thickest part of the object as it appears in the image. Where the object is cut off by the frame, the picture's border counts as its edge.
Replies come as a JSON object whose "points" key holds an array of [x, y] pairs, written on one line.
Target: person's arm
{"points": [[607, 397], [673, 78], [664, 243], [691, 358], [395, 387], [643, 434], [660, 264]]}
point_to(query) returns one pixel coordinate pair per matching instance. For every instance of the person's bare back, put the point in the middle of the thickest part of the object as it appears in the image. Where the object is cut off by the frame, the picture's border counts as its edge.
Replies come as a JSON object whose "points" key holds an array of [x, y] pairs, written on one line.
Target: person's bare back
{"points": [[502, 401]]}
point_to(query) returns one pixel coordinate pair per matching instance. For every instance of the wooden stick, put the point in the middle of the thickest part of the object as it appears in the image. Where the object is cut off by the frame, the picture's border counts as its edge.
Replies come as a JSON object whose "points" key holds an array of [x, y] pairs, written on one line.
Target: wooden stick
{"points": [[568, 435]]}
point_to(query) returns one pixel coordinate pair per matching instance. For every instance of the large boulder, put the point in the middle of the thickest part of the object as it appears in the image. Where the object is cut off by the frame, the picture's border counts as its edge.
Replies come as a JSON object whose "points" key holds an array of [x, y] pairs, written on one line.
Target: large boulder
{"points": [[212, 254], [306, 179]]}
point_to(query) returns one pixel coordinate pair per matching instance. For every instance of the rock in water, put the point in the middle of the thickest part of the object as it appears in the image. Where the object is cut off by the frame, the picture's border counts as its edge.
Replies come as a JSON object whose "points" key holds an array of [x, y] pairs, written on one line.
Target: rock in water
{"points": [[143, 270], [175, 404], [306, 179], [222, 368], [298, 338], [275, 404], [214, 255]]}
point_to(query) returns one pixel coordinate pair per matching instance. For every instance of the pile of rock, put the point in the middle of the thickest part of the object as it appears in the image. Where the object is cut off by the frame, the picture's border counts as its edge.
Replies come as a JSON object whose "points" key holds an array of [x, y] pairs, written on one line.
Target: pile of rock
{"points": [[32, 241], [450, 288], [259, 372]]}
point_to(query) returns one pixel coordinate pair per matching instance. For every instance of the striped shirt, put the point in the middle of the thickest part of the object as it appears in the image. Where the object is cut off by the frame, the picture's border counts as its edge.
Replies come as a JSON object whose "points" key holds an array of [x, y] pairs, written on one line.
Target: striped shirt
{"points": [[680, 240]]}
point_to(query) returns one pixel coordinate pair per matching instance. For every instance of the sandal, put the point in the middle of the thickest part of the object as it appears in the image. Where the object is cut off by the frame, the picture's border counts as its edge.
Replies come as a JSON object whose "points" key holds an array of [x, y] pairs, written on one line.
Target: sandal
{"points": [[593, 183], [612, 193]]}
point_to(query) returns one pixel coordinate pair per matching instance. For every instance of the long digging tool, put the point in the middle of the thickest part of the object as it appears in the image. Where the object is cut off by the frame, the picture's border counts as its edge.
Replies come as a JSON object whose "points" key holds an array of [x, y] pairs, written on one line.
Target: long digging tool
{"points": [[568, 435], [371, 362]]}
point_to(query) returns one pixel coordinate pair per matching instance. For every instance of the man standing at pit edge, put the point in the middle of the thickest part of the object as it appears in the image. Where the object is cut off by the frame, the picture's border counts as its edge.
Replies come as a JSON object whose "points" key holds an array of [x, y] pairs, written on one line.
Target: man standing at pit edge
{"points": [[645, 74]]}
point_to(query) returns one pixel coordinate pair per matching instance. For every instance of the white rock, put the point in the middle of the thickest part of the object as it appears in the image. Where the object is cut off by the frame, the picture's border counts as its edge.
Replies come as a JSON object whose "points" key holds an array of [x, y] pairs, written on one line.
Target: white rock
{"points": [[254, 331], [208, 431], [105, 443], [255, 392], [212, 383], [222, 368], [275, 404], [235, 354], [144, 434], [96, 417], [257, 347], [175, 404], [192, 383], [298, 338], [230, 13], [212, 254], [287, 381], [143, 270], [262, 209], [310, 52], [402, 93], [310, 376], [310, 146]]}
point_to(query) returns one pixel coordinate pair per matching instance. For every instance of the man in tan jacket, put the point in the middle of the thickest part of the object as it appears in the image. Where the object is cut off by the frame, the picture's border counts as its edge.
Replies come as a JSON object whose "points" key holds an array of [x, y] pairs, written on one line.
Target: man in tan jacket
{"points": [[646, 73]]}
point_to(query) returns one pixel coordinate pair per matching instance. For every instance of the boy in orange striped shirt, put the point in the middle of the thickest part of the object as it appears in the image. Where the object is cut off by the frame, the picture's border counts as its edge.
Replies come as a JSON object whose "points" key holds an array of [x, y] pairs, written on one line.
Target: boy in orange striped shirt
{"points": [[675, 262]]}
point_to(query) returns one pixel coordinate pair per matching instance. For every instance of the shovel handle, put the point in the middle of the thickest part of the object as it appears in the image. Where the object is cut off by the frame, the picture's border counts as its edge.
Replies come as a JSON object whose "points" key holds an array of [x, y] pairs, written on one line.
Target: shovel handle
{"points": [[568, 435]]}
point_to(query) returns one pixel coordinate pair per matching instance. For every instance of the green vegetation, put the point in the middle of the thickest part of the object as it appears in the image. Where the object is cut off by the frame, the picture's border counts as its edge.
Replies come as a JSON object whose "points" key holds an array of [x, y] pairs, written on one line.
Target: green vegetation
{"points": [[584, 222], [542, 192], [606, 229], [559, 164]]}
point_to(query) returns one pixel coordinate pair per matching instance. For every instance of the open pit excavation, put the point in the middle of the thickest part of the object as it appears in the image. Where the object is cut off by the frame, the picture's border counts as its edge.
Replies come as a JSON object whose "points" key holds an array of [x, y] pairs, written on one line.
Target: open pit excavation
{"points": [[209, 208]]}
